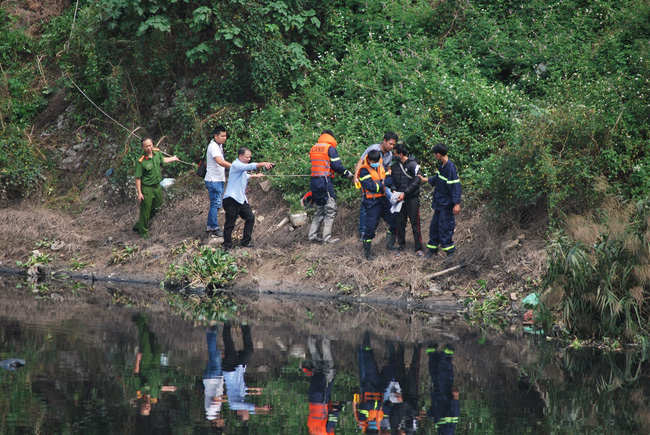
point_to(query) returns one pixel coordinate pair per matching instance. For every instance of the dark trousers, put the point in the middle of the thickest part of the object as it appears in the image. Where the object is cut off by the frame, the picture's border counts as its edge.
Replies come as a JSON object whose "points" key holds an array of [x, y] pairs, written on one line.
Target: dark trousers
{"points": [[369, 376], [445, 409], [409, 380], [233, 358], [375, 210], [441, 230], [410, 211], [233, 210], [321, 189]]}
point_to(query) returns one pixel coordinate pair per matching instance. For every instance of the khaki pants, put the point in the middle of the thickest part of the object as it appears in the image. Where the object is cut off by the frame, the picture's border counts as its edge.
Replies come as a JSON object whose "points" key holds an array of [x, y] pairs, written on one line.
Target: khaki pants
{"points": [[325, 214]]}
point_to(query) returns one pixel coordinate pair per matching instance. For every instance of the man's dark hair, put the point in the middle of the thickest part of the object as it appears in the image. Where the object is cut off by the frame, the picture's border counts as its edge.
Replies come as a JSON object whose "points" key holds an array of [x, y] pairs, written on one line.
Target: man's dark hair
{"points": [[330, 132], [440, 148], [218, 129], [401, 149], [145, 139], [374, 156], [390, 135], [242, 151]]}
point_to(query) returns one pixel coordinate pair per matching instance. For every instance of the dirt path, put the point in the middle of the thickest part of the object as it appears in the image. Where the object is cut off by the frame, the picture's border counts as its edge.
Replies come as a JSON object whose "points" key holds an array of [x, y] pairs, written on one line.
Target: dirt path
{"points": [[95, 237]]}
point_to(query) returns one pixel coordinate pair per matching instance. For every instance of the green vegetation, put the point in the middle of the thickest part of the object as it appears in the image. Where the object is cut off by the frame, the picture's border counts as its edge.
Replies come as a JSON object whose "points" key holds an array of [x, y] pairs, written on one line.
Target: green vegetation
{"points": [[345, 289], [537, 100], [599, 272], [206, 309], [208, 267], [78, 264], [36, 259], [124, 254], [484, 309]]}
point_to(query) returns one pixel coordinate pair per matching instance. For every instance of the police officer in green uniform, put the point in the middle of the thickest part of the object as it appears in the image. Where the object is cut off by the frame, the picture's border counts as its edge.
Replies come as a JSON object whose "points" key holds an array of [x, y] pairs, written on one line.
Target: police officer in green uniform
{"points": [[147, 182]]}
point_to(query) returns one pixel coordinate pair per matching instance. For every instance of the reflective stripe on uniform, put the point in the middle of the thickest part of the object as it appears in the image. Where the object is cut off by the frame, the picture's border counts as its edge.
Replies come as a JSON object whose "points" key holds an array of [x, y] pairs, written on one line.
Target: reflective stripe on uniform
{"points": [[447, 420], [446, 180]]}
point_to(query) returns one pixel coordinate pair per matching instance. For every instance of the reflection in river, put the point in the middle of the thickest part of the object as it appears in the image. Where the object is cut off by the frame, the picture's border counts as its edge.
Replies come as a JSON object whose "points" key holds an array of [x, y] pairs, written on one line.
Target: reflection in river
{"points": [[287, 366]]}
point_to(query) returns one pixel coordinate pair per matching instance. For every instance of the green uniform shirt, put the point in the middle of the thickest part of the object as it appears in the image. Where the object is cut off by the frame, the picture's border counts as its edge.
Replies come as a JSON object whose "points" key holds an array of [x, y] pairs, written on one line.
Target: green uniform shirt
{"points": [[148, 170]]}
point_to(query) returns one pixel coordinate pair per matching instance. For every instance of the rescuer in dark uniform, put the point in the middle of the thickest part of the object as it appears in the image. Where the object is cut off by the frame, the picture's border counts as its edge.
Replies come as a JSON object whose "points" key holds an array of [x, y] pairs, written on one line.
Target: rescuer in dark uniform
{"points": [[445, 408], [367, 406], [445, 203], [372, 176]]}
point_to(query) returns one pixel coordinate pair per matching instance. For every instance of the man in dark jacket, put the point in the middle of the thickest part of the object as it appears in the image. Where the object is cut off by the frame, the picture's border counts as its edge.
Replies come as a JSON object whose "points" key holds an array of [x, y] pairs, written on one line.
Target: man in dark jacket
{"points": [[405, 170], [445, 203], [445, 405]]}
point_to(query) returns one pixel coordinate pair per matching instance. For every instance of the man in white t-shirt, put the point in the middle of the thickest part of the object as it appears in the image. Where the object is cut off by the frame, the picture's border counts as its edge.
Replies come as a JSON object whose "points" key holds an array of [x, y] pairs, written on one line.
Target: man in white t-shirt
{"points": [[213, 381], [215, 178]]}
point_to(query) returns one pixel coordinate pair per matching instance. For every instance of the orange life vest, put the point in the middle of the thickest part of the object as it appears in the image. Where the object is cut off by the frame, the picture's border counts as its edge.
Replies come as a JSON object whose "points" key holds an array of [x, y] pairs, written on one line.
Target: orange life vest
{"points": [[320, 159], [376, 174], [374, 415], [369, 395], [317, 421]]}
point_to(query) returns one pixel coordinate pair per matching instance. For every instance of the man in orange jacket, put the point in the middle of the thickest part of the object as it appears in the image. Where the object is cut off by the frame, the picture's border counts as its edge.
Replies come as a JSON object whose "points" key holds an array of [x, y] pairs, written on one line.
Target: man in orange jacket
{"points": [[325, 162], [323, 413]]}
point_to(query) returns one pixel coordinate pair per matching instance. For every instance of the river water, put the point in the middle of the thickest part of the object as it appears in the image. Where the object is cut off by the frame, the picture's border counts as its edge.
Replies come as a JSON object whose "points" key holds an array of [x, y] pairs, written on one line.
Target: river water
{"points": [[100, 361]]}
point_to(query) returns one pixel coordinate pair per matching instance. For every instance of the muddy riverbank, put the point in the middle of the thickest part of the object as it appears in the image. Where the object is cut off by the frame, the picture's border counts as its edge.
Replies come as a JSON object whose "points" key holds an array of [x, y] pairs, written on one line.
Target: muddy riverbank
{"points": [[91, 236]]}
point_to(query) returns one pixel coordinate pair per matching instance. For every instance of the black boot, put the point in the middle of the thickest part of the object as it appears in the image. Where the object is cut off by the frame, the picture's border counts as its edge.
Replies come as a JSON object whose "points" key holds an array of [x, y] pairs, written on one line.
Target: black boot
{"points": [[430, 253], [390, 241], [366, 250]]}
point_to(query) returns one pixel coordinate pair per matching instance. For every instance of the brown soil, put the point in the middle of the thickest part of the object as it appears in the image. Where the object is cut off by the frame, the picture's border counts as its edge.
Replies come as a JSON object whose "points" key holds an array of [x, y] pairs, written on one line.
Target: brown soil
{"points": [[31, 14], [95, 229]]}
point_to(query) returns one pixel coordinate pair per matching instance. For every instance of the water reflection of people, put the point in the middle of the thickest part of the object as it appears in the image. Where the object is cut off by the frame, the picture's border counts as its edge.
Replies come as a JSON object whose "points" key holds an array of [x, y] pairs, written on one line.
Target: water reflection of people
{"points": [[12, 363], [401, 393], [445, 408], [213, 380], [323, 413], [147, 379], [234, 368], [368, 404]]}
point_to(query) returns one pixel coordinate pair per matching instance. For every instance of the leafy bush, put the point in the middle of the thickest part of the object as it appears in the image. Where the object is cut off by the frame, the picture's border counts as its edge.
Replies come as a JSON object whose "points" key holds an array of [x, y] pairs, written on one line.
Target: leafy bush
{"points": [[599, 273], [219, 307], [22, 165], [20, 99], [208, 267], [263, 47]]}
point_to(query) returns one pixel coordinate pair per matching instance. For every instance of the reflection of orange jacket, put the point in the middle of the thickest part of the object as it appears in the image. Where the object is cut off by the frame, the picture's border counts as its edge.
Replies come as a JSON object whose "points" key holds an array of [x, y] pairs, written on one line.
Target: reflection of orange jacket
{"points": [[320, 159], [378, 174], [376, 415], [369, 410], [318, 418]]}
